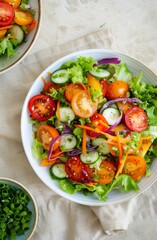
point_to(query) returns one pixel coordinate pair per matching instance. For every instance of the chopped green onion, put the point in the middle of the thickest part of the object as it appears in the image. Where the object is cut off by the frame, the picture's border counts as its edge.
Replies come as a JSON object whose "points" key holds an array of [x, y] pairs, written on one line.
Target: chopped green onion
{"points": [[15, 215]]}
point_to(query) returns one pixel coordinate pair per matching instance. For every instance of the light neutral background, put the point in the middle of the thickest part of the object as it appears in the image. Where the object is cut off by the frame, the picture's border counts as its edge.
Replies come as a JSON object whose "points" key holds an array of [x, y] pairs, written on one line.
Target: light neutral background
{"points": [[128, 26]]}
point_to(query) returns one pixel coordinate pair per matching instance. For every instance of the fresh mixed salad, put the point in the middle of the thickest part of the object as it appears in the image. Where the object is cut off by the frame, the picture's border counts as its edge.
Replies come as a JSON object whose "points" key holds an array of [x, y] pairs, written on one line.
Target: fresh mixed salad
{"points": [[95, 126], [16, 21]]}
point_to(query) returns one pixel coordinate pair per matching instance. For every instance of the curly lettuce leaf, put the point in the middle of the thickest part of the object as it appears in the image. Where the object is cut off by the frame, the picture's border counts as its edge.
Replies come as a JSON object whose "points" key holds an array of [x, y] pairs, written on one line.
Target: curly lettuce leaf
{"points": [[122, 72], [148, 94], [123, 182], [6, 47], [77, 70]]}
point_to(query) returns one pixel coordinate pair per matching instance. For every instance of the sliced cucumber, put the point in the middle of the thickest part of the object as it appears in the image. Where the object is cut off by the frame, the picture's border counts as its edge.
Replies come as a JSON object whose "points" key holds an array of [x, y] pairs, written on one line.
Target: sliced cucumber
{"points": [[66, 114], [90, 157], [68, 141], [18, 33], [111, 115], [58, 171], [103, 147], [60, 76], [99, 73]]}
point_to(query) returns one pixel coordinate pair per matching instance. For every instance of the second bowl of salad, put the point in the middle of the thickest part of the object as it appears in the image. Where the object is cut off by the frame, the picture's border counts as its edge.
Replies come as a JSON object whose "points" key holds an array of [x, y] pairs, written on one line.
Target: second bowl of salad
{"points": [[89, 127], [19, 27]]}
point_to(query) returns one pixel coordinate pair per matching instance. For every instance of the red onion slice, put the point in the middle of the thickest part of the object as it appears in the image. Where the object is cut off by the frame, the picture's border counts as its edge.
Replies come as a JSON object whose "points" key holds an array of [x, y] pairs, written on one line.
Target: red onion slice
{"points": [[54, 140], [108, 61], [107, 104]]}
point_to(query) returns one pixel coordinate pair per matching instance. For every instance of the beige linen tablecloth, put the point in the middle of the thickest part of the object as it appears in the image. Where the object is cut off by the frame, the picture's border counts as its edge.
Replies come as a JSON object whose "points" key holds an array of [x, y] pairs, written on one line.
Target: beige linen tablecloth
{"points": [[58, 217]]}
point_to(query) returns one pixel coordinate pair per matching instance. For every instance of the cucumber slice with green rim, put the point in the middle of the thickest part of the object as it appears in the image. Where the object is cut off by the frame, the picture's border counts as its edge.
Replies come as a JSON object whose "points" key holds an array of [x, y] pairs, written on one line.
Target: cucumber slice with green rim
{"points": [[66, 114], [60, 76], [18, 33], [68, 141], [103, 147], [111, 115], [58, 171], [99, 73], [90, 157]]}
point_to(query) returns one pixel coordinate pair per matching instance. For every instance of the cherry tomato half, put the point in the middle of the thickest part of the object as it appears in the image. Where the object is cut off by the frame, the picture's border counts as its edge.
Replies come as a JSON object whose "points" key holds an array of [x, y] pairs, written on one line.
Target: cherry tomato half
{"points": [[48, 86], [136, 119], [77, 170], [22, 17], [104, 86], [106, 172], [99, 122], [117, 89], [135, 166], [45, 134], [82, 104], [72, 89], [6, 14], [41, 107], [14, 3]]}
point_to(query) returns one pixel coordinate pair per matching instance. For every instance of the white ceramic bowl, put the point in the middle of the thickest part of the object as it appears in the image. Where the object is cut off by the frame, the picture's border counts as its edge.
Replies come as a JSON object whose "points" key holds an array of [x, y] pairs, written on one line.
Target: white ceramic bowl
{"points": [[23, 49], [26, 128], [31, 206]]}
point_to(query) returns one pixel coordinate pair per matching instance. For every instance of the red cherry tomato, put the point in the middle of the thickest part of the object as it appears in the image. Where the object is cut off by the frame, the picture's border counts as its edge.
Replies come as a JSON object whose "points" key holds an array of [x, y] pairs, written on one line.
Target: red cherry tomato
{"points": [[99, 122], [77, 170], [104, 86], [41, 107], [6, 14], [117, 89], [136, 119], [48, 86]]}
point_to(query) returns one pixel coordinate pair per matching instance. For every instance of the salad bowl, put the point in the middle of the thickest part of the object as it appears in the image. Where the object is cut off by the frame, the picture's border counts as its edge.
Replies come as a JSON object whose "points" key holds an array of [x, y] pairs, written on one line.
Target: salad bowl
{"points": [[21, 35], [114, 196]]}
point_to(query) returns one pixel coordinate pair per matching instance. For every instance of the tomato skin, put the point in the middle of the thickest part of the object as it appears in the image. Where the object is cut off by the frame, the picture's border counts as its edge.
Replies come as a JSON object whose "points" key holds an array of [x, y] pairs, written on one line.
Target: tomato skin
{"points": [[48, 86], [77, 170], [41, 107], [45, 134], [6, 14], [117, 89], [136, 119], [106, 172], [72, 89], [104, 86], [23, 18], [96, 118], [82, 104], [135, 166], [14, 3]]}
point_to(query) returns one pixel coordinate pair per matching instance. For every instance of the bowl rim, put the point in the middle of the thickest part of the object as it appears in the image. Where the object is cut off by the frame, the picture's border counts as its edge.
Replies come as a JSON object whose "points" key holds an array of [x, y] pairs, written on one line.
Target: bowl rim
{"points": [[11, 180], [52, 65], [31, 44]]}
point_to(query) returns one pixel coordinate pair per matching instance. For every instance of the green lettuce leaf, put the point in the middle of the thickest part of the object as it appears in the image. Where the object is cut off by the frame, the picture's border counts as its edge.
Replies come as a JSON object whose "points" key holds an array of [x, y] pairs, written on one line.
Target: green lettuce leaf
{"points": [[123, 182], [77, 70], [6, 47], [122, 73]]}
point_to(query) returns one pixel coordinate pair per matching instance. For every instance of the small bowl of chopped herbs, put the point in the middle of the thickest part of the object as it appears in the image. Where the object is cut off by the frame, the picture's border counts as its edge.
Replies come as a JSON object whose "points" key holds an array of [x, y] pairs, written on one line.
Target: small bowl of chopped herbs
{"points": [[18, 211]]}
